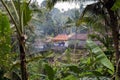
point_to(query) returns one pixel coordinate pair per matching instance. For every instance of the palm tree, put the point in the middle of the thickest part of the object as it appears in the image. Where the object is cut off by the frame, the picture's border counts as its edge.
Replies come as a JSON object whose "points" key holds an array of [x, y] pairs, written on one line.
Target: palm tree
{"points": [[20, 18]]}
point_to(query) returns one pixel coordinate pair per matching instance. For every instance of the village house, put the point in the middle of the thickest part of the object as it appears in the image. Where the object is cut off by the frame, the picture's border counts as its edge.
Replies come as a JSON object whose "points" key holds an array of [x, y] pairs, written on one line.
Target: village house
{"points": [[71, 40]]}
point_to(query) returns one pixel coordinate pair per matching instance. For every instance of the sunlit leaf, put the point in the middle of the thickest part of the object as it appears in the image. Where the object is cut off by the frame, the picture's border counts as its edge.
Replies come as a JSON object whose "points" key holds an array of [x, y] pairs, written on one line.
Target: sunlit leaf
{"points": [[116, 5], [70, 77]]}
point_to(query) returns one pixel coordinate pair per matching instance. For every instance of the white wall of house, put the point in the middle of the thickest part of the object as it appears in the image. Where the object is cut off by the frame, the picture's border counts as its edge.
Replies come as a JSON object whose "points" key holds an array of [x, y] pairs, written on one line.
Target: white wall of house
{"points": [[66, 43]]}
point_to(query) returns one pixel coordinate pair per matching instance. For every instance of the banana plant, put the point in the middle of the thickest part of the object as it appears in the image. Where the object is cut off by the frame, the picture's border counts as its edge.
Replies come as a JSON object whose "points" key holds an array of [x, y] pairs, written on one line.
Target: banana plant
{"points": [[99, 31], [100, 56], [20, 19]]}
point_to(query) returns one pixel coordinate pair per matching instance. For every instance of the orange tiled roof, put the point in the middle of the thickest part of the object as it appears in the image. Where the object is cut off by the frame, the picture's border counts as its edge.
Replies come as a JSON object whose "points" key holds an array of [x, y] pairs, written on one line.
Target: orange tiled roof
{"points": [[64, 37], [61, 37]]}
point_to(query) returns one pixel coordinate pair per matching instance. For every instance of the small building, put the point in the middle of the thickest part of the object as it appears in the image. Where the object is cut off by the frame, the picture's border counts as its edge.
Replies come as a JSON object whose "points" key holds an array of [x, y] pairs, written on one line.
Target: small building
{"points": [[78, 39], [61, 40], [72, 40], [60, 37]]}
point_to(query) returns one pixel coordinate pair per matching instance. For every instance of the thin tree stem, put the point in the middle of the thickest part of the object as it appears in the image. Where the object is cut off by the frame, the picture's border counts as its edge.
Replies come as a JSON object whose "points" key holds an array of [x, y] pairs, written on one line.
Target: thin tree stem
{"points": [[6, 7], [15, 9]]}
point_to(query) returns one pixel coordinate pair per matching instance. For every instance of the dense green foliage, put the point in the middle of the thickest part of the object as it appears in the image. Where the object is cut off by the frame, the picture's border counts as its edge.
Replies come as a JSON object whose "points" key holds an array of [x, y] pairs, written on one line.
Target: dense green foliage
{"points": [[5, 45], [95, 62], [116, 6]]}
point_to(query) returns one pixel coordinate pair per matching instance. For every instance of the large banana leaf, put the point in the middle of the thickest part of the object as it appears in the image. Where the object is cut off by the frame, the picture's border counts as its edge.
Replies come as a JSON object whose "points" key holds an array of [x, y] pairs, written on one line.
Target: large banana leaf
{"points": [[100, 56]]}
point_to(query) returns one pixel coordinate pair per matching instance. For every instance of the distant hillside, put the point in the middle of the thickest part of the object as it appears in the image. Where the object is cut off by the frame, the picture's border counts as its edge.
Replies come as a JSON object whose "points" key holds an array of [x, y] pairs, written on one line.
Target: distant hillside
{"points": [[52, 23]]}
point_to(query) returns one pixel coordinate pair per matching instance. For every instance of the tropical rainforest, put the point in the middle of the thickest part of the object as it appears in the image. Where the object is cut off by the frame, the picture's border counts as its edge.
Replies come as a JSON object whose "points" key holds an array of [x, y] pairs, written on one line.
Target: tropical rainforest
{"points": [[29, 49]]}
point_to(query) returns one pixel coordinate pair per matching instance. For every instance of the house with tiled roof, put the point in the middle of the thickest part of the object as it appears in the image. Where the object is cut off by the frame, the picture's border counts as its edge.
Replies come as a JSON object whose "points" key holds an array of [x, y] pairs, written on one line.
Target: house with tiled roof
{"points": [[61, 40], [71, 40]]}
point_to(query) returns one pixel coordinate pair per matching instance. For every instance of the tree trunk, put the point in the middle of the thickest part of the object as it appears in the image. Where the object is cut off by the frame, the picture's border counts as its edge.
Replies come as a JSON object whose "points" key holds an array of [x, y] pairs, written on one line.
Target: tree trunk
{"points": [[24, 74], [115, 33]]}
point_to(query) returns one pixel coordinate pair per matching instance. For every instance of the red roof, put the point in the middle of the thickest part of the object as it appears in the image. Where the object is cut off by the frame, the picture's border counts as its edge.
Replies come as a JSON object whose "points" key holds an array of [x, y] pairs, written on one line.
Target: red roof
{"points": [[79, 37], [61, 37]]}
